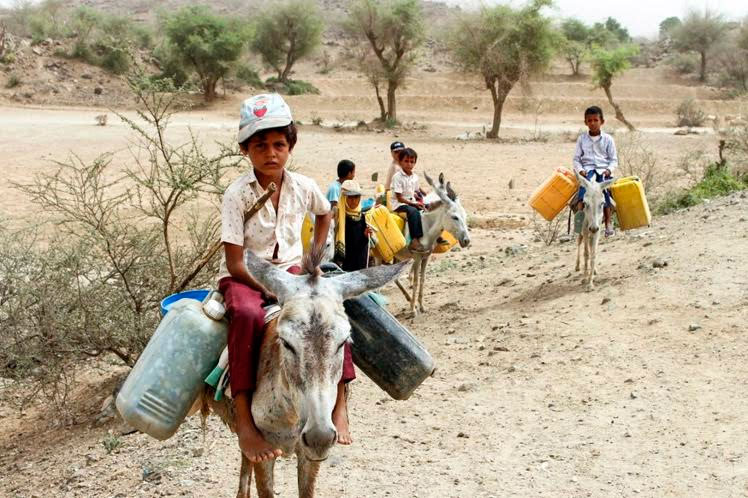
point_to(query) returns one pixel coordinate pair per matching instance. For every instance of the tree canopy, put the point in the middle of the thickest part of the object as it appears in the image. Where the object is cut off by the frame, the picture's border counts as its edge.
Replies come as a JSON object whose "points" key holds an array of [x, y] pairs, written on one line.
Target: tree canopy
{"points": [[205, 42], [606, 65], [391, 31], [503, 45], [699, 32], [286, 33]]}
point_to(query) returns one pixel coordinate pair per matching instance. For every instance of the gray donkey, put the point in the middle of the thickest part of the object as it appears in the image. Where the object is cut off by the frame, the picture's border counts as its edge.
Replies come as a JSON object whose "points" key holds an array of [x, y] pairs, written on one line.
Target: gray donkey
{"points": [[301, 362], [594, 202]]}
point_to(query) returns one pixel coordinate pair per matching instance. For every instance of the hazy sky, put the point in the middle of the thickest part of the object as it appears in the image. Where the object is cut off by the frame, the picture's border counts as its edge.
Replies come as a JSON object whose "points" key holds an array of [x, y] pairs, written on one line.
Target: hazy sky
{"points": [[640, 17]]}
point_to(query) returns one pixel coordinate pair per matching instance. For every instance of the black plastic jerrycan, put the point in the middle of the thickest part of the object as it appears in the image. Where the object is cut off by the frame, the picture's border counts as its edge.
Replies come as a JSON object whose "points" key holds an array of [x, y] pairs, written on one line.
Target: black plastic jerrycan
{"points": [[383, 348]]}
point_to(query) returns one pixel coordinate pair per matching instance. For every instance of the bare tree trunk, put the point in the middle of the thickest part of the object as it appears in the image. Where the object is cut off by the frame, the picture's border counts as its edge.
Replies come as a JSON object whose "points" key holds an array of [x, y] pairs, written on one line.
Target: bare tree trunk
{"points": [[391, 104], [380, 101], [702, 73], [619, 113], [499, 97], [210, 89]]}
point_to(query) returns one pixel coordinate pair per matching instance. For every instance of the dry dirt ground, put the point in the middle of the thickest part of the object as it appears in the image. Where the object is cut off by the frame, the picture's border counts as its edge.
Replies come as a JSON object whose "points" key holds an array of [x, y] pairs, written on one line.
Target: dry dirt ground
{"points": [[542, 389]]}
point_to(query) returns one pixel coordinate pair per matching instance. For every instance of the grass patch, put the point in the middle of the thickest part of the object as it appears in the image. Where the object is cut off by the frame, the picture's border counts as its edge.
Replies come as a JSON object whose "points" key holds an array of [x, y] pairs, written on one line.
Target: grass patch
{"points": [[718, 181]]}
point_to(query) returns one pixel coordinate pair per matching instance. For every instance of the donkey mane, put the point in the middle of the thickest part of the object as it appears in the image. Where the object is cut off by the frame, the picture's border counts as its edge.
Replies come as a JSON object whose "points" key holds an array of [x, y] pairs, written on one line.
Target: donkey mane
{"points": [[312, 260]]}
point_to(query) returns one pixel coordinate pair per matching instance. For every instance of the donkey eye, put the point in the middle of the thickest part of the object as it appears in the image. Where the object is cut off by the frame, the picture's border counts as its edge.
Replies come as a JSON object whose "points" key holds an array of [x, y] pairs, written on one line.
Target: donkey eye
{"points": [[288, 347], [455, 218]]}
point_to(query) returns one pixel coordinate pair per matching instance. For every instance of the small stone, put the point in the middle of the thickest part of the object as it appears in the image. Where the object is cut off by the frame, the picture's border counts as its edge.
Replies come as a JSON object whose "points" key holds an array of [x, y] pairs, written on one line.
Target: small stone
{"points": [[86, 76], [694, 327], [511, 369], [463, 435], [98, 90], [659, 263], [466, 388], [633, 395], [605, 300]]}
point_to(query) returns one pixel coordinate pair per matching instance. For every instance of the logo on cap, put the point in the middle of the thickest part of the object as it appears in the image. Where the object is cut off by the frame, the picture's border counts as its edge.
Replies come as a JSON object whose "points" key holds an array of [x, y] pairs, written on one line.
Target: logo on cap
{"points": [[260, 108]]}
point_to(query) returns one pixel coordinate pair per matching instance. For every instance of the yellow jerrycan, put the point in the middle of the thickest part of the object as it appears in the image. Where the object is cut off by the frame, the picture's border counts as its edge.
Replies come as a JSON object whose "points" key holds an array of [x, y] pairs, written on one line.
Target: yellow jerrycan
{"points": [[307, 230], [449, 243], [632, 209], [552, 196], [387, 237]]}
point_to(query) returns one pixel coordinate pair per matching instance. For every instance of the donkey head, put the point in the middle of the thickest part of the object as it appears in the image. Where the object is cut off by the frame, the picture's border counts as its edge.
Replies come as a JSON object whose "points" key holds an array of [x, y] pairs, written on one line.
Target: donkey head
{"points": [[312, 331], [594, 201], [455, 218]]}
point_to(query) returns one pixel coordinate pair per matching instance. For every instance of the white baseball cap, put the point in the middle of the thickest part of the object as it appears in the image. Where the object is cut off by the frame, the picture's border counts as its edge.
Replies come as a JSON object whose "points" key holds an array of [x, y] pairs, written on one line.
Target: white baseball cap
{"points": [[351, 187], [267, 110]]}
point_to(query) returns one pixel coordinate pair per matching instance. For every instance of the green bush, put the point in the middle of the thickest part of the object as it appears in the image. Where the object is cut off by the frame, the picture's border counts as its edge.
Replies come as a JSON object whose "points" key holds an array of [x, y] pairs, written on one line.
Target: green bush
{"points": [[249, 76], [13, 81], [687, 63], [687, 114], [718, 181], [114, 58], [291, 87]]}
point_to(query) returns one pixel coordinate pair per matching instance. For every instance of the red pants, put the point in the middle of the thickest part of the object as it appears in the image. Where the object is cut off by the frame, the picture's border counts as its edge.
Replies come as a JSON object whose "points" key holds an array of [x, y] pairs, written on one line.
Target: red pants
{"points": [[246, 327]]}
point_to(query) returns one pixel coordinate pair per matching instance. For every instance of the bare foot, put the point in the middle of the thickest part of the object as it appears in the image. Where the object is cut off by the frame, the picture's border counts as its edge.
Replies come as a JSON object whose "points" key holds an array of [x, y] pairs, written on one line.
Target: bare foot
{"points": [[254, 446], [340, 419]]}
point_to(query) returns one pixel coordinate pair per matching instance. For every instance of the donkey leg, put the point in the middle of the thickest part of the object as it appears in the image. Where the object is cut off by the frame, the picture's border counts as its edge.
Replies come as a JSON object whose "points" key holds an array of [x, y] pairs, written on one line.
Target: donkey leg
{"points": [[593, 260], [264, 478], [580, 239], [402, 289], [586, 256], [424, 262], [414, 274], [245, 478], [307, 475]]}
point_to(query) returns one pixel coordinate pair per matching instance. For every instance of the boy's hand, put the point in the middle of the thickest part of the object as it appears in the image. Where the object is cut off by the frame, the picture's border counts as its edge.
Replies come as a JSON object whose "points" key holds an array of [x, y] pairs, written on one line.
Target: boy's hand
{"points": [[368, 232], [268, 296], [607, 173]]}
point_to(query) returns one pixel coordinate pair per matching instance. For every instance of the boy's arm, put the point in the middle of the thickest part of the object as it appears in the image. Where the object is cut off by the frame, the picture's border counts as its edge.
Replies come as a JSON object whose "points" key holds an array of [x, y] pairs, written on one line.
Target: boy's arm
{"points": [[612, 155], [578, 153], [238, 269]]}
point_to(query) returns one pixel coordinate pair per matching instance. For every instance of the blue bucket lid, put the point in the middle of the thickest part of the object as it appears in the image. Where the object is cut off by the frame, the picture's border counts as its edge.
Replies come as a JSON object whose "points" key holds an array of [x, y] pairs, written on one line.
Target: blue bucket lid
{"points": [[196, 294]]}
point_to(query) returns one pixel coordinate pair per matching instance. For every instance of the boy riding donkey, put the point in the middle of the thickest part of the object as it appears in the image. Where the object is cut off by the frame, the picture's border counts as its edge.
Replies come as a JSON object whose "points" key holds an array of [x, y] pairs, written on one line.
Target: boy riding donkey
{"points": [[267, 135], [595, 158]]}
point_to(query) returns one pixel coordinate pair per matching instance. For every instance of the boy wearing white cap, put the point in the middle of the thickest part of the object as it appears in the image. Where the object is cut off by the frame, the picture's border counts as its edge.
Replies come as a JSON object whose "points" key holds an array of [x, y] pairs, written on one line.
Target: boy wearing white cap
{"points": [[267, 135]]}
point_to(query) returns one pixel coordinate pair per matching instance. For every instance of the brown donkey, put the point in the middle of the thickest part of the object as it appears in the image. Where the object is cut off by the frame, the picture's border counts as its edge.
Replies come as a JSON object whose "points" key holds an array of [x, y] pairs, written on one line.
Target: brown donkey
{"points": [[301, 362]]}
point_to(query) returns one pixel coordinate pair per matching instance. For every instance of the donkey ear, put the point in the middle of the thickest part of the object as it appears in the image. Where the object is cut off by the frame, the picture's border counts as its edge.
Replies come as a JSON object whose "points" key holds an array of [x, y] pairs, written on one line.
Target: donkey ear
{"points": [[450, 192], [281, 283], [441, 179], [355, 283], [429, 180], [582, 179], [607, 183]]}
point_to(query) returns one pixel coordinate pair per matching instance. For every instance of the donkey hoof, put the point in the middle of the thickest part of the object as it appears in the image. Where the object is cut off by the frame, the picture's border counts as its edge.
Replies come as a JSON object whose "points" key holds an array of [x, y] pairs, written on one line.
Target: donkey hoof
{"points": [[577, 268]]}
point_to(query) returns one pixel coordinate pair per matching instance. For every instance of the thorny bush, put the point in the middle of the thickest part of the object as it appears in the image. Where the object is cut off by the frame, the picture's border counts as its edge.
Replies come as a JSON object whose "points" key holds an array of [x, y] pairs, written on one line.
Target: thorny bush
{"points": [[123, 241]]}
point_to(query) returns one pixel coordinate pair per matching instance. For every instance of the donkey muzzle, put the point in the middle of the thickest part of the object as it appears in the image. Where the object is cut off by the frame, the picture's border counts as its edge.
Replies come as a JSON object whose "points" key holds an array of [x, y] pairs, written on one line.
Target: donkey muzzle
{"points": [[464, 242], [317, 441]]}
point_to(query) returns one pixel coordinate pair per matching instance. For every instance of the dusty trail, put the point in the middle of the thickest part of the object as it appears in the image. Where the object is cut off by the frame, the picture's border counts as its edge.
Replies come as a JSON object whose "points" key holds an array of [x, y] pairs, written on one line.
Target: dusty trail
{"points": [[542, 389]]}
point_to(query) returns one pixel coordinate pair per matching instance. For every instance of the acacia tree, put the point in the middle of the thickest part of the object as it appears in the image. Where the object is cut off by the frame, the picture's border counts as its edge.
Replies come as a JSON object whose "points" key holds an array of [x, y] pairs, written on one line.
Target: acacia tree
{"points": [[575, 45], [698, 33], [392, 31], [606, 65], [503, 45], [286, 33], [206, 43]]}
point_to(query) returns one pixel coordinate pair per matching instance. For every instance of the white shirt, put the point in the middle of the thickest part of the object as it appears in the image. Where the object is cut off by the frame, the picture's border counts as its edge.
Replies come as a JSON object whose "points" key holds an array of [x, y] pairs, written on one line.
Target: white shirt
{"points": [[260, 234], [598, 153], [405, 185], [394, 168]]}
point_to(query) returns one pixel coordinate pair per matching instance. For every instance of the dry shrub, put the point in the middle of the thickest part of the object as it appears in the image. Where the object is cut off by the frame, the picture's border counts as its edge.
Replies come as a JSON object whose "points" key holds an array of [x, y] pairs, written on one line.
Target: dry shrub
{"points": [[687, 114], [122, 242], [547, 231], [636, 158]]}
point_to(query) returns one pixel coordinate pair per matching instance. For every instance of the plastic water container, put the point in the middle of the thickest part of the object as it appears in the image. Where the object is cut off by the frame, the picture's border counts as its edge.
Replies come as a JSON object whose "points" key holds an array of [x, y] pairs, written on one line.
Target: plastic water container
{"points": [[169, 374], [632, 209], [385, 350], [552, 196]]}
